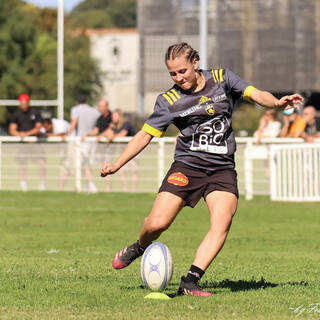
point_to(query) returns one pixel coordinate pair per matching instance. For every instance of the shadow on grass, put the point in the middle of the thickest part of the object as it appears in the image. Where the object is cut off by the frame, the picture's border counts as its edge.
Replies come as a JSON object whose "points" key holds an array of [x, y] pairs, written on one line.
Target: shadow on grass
{"points": [[240, 285], [234, 286], [245, 285]]}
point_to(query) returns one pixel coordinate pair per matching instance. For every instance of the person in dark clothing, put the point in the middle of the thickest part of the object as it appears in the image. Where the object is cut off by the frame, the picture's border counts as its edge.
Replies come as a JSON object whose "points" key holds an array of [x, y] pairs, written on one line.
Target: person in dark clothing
{"points": [[200, 104], [25, 122], [103, 122], [312, 130], [120, 127]]}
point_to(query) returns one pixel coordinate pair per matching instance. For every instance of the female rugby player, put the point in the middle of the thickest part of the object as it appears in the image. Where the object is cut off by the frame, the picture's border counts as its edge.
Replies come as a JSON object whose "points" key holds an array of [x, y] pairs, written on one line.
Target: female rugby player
{"points": [[200, 105]]}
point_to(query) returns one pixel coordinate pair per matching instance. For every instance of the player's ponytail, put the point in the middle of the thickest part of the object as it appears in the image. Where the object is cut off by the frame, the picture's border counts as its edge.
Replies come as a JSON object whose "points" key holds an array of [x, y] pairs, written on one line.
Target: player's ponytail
{"points": [[180, 49]]}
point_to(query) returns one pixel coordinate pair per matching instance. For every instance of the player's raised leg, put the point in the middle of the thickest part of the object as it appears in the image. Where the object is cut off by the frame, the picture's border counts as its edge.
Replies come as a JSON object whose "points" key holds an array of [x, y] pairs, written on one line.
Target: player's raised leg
{"points": [[222, 207], [164, 210]]}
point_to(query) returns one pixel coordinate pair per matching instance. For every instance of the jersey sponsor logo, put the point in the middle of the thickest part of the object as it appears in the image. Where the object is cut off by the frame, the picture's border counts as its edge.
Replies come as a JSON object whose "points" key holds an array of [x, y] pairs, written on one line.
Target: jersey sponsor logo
{"points": [[210, 136], [206, 103], [190, 110], [215, 99], [178, 179], [204, 99], [219, 98]]}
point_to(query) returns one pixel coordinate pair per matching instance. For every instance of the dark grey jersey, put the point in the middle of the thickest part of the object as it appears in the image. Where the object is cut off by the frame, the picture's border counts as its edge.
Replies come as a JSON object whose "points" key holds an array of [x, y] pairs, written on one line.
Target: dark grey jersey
{"points": [[203, 118]]}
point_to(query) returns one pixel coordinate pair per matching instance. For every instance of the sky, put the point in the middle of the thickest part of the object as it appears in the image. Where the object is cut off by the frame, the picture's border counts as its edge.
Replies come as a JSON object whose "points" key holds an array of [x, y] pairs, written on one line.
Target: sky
{"points": [[68, 4]]}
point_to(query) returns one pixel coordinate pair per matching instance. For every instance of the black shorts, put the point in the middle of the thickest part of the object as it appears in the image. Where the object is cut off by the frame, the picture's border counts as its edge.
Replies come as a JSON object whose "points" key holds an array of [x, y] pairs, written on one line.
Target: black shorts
{"points": [[191, 184]]}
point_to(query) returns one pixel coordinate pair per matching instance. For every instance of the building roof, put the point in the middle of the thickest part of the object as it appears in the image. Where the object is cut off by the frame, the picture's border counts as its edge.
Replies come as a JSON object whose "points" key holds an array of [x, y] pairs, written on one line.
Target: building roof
{"points": [[90, 32]]}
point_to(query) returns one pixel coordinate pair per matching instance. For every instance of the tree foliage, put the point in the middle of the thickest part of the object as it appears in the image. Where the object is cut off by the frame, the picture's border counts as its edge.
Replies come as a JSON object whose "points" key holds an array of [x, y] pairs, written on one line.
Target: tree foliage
{"points": [[105, 14], [28, 48], [28, 56]]}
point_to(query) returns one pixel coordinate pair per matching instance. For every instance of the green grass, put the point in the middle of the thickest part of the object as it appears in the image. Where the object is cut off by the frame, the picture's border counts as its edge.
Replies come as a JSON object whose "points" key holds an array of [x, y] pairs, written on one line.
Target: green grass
{"points": [[56, 251]]}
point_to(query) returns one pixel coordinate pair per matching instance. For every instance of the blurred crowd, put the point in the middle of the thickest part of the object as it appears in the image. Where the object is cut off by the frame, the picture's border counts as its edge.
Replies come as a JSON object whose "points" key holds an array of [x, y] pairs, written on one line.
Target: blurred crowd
{"points": [[101, 122], [86, 121], [294, 124]]}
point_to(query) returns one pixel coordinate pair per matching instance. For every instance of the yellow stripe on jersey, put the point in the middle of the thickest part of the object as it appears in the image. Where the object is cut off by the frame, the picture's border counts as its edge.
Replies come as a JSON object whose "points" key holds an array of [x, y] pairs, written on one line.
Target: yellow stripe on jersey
{"points": [[247, 93], [176, 93], [151, 130], [220, 74], [172, 96], [216, 73], [214, 78], [168, 99]]}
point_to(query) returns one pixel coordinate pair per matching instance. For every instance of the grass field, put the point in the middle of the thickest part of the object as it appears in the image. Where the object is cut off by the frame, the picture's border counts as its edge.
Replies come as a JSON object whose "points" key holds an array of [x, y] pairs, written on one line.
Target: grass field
{"points": [[56, 252]]}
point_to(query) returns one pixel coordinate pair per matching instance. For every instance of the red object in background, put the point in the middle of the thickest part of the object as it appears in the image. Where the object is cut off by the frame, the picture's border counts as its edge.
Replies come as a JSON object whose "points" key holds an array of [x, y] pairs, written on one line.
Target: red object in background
{"points": [[24, 97]]}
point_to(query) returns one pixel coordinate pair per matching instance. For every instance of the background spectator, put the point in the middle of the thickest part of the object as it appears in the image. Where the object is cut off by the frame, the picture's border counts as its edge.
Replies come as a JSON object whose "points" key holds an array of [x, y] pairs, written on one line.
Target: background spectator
{"points": [[269, 126], [312, 130], [103, 121], [120, 127], [58, 128], [25, 122], [83, 120], [293, 124], [55, 127], [100, 128]]}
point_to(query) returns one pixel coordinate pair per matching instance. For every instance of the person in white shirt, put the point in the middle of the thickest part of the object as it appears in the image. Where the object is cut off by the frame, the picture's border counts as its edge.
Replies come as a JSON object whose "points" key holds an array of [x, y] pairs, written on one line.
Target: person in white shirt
{"points": [[55, 127], [83, 120], [269, 126]]}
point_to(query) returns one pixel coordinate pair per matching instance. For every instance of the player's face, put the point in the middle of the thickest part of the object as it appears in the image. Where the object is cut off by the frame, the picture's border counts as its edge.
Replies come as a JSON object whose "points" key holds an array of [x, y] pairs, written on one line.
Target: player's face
{"points": [[183, 72]]}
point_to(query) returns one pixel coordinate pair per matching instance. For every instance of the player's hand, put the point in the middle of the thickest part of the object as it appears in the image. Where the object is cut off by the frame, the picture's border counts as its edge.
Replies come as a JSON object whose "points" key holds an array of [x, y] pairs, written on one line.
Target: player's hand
{"points": [[108, 168], [292, 101], [83, 137]]}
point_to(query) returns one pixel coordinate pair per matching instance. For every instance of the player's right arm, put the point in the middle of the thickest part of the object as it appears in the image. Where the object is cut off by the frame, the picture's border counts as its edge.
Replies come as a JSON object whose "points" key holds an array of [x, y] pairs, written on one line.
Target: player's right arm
{"points": [[155, 126], [134, 147]]}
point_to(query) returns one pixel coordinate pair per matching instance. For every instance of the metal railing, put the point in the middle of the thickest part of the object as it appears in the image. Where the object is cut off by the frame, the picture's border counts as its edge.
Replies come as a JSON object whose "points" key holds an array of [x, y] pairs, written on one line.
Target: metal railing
{"points": [[144, 174]]}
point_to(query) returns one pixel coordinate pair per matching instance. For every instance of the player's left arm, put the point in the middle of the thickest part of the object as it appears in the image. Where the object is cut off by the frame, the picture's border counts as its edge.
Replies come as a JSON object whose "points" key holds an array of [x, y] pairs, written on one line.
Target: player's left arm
{"points": [[268, 100]]}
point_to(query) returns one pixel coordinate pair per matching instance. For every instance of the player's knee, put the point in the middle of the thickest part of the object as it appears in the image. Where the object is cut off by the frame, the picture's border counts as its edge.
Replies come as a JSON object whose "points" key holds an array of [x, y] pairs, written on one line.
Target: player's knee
{"points": [[155, 225]]}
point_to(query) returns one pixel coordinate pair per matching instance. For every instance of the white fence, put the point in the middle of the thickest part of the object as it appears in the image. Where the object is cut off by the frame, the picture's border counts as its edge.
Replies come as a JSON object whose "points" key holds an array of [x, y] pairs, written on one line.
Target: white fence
{"points": [[53, 164], [295, 172]]}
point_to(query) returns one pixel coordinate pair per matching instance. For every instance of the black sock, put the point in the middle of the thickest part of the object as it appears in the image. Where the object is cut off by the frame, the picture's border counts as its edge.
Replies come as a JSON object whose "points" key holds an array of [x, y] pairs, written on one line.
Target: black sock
{"points": [[194, 274], [139, 248]]}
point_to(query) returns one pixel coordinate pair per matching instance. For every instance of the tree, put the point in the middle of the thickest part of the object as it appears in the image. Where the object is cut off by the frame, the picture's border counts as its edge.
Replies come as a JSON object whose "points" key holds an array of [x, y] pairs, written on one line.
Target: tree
{"points": [[105, 14], [28, 56]]}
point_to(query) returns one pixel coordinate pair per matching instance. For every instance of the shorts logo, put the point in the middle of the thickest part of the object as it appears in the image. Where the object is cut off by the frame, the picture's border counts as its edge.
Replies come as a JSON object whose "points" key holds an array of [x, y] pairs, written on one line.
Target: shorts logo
{"points": [[178, 179]]}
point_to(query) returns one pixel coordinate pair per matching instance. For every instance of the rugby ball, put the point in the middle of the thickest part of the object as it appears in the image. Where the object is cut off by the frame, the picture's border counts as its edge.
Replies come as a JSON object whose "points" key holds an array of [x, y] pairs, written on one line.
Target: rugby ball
{"points": [[156, 266]]}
